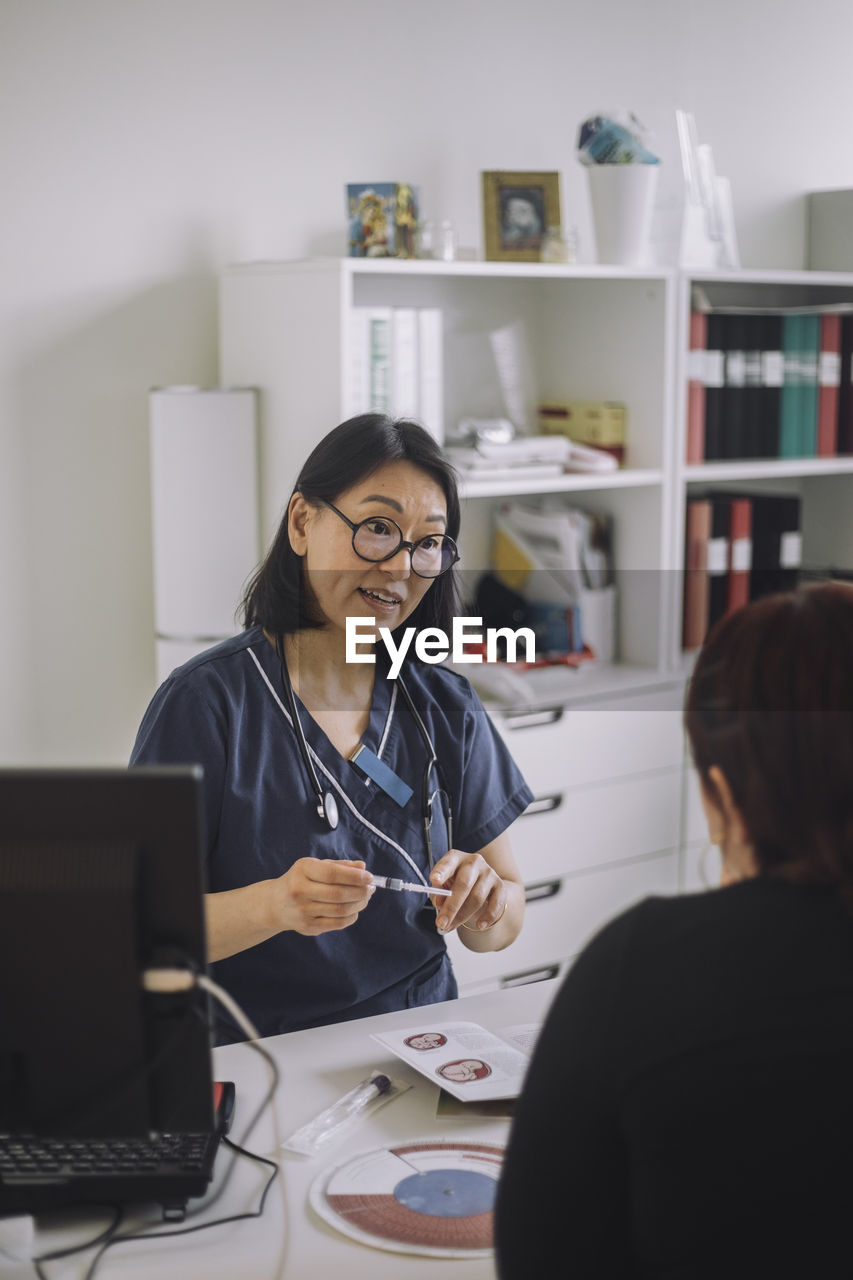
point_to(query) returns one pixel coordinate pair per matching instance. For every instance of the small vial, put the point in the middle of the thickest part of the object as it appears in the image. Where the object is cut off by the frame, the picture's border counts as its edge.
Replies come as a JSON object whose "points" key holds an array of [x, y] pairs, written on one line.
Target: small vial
{"points": [[426, 236], [558, 246], [448, 241]]}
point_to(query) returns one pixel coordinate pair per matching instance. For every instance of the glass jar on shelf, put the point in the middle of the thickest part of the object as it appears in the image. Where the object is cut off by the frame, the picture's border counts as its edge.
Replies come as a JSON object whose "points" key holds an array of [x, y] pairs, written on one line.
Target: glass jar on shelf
{"points": [[559, 245]]}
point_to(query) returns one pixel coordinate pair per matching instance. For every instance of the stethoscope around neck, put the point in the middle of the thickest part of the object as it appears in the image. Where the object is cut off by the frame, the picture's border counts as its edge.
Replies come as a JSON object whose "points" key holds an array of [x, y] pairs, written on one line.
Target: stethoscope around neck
{"points": [[327, 805]]}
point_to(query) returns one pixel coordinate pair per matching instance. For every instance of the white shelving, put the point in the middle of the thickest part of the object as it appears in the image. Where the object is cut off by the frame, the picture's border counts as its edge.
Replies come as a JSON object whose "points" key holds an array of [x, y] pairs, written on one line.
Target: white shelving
{"points": [[767, 469], [593, 333], [629, 479]]}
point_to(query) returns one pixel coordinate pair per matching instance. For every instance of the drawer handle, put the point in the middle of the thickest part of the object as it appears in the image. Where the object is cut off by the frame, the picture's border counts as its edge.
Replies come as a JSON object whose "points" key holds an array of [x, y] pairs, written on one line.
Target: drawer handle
{"points": [[530, 719], [538, 892], [531, 975], [542, 804]]}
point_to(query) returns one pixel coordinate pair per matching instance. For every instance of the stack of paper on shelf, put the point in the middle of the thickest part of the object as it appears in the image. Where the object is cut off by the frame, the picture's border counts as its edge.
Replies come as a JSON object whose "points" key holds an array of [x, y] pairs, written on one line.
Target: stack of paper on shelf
{"points": [[528, 457], [525, 456]]}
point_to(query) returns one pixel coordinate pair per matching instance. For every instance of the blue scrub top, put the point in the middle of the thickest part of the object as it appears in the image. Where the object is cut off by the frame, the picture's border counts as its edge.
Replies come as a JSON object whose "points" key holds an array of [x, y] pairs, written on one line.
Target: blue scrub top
{"points": [[226, 710]]}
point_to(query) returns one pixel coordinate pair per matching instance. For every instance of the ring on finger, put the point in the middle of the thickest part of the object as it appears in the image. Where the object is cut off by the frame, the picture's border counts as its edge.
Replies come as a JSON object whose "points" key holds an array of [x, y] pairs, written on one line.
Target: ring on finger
{"points": [[483, 928]]}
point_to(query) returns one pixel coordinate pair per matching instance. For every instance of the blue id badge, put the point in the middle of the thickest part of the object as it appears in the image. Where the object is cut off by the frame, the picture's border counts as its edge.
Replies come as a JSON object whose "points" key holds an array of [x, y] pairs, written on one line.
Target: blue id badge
{"points": [[372, 767]]}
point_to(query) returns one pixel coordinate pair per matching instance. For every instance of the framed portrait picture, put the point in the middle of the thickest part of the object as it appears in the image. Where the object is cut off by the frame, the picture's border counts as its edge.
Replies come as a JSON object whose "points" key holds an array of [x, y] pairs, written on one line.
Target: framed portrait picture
{"points": [[518, 208]]}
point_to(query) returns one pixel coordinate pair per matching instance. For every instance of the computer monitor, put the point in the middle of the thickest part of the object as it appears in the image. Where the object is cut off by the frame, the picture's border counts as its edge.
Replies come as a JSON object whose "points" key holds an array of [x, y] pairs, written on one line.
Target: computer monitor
{"points": [[100, 879]]}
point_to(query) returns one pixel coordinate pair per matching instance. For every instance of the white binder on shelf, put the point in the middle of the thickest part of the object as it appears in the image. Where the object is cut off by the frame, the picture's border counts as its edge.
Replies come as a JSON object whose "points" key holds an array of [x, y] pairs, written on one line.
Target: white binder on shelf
{"points": [[431, 371], [404, 362]]}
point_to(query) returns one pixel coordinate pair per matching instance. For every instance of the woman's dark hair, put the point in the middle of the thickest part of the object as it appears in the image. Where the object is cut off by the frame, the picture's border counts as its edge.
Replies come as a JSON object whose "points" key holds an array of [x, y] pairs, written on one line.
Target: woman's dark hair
{"points": [[770, 703], [275, 597]]}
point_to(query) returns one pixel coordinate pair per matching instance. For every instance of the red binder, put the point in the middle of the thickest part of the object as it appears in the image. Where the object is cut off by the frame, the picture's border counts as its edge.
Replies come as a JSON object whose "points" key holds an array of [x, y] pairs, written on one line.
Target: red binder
{"points": [[698, 532], [740, 552], [829, 381]]}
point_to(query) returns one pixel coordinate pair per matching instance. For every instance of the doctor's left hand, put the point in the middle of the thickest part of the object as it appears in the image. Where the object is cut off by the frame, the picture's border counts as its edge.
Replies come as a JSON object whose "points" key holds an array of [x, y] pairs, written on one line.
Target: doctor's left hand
{"points": [[478, 898]]}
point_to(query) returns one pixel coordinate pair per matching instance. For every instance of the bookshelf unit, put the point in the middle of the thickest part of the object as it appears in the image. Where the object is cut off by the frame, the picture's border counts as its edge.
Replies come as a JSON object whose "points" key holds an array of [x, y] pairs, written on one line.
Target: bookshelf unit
{"points": [[824, 485], [602, 748]]}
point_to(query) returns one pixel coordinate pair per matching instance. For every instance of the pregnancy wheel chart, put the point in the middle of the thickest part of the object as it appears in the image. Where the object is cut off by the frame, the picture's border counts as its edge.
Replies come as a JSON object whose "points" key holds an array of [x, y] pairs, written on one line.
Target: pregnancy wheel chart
{"points": [[419, 1197]]}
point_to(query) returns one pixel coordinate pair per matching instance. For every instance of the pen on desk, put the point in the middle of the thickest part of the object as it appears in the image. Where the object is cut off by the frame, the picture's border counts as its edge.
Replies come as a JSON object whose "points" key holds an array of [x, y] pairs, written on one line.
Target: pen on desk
{"points": [[400, 886]]}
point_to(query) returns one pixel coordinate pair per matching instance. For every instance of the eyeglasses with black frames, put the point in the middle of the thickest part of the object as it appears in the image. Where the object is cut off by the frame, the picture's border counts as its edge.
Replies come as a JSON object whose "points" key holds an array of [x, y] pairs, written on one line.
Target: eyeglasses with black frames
{"points": [[379, 538]]}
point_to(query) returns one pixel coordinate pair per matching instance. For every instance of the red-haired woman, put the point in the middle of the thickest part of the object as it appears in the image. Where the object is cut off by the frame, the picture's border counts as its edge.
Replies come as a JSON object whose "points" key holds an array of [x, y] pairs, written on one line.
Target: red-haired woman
{"points": [[689, 1109]]}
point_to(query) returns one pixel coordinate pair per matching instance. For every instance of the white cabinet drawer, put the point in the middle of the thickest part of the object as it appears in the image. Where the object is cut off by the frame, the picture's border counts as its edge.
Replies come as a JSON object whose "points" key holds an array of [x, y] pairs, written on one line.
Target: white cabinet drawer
{"points": [[562, 747], [518, 978], [557, 925], [605, 822]]}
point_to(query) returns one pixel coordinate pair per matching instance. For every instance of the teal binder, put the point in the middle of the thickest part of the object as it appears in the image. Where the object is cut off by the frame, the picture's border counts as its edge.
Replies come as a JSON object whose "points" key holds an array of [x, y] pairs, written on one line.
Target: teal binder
{"points": [[810, 354]]}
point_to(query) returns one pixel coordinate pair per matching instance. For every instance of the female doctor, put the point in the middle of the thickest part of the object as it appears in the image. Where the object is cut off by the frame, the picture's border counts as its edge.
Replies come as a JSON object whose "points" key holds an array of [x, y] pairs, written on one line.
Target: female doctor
{"points": [[321, 773]]}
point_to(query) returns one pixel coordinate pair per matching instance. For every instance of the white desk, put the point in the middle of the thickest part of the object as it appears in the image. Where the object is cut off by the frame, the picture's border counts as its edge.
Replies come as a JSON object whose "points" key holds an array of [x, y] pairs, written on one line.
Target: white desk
{"points": [[290, 1241]]}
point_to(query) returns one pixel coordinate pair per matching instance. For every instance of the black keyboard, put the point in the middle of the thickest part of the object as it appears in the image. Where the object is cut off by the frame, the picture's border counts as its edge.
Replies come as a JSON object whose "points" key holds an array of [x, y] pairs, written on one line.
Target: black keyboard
{"points": [[43, 1173]]}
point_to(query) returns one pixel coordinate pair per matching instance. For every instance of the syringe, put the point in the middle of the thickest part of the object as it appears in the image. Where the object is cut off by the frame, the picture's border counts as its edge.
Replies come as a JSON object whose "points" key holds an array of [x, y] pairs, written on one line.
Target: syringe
{"points": [[401, 886]]}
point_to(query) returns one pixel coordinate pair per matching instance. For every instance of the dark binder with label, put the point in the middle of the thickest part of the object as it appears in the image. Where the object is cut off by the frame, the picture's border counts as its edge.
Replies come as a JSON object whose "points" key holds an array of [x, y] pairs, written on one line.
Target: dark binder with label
{"points": [[845, 389], [733, 443], [715, 386], [753, 390], [772, 378], [718, 558], [695, 608], [731, 521], [776, 543], [790, 405]]}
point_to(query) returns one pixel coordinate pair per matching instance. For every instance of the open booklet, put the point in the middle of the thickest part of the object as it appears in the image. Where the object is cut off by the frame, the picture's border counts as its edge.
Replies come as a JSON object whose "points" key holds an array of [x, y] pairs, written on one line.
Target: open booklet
{"points": [[471, 1063]]}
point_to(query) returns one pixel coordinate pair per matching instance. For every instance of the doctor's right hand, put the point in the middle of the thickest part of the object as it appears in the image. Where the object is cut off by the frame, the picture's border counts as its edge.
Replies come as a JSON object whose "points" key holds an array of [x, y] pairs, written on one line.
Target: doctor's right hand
{"points": [[318, 895]]}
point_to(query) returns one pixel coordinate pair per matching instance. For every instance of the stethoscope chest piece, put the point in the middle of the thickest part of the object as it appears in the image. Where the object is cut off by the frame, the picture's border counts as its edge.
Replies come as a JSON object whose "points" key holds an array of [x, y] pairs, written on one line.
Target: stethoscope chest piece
{"points": [[327, 808]]}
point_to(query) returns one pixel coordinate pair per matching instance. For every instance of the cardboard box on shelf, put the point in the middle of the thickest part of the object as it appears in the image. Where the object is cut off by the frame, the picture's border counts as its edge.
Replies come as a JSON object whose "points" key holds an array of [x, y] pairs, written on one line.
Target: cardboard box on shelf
{"points": [[599, 423]]}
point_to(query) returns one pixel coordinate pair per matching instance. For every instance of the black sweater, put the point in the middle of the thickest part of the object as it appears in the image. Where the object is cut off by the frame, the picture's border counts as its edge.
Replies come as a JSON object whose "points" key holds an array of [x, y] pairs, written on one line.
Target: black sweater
{"points": [[688, 1112]]}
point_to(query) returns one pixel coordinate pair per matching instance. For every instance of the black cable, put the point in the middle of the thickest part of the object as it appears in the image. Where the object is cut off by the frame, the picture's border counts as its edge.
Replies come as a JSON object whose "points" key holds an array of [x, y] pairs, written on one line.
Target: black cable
{"points": [[108, 1231], [200, 1226], [259, 1110], [108, 1236]]}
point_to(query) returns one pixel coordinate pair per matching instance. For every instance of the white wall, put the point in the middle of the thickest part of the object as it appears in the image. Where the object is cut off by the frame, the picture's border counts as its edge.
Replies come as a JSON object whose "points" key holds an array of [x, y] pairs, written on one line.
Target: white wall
{"points": [[142, 145]]}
